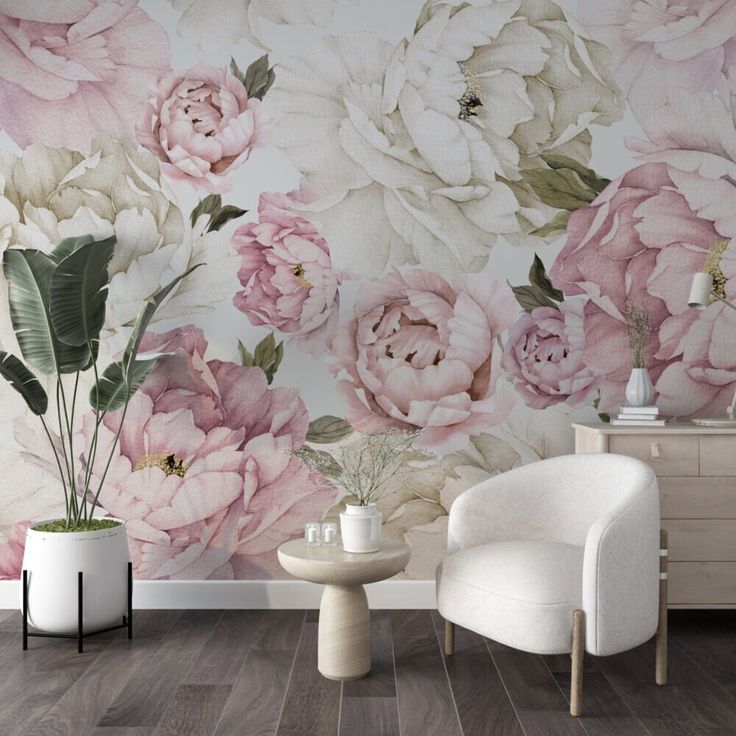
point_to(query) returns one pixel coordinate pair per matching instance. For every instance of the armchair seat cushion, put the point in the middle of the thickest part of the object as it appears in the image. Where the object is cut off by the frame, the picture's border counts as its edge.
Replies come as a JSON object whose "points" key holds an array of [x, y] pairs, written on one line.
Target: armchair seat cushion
{"points": [[519, 593]]}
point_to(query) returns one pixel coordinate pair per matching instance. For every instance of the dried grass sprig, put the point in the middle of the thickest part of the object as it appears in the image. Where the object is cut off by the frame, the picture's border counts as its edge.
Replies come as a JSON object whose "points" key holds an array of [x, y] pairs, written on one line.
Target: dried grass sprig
{"points": [[638, 330]]}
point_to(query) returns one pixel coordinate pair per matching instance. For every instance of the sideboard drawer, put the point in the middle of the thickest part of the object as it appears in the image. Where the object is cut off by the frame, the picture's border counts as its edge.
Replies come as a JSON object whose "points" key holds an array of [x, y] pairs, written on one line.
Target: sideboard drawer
{"points": [[701, 539], [717, 456], [668, 455], [697, 498], [702, 583]]}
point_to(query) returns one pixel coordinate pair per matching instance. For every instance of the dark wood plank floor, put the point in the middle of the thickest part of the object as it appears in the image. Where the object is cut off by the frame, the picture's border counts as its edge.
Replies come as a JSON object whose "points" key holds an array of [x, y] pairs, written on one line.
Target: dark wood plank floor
{"points": [[253, 673]]}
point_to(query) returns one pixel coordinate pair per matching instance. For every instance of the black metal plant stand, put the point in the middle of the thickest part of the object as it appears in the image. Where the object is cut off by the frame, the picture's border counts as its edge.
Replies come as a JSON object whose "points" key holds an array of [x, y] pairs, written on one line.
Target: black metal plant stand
{"points": [[81, 634]]}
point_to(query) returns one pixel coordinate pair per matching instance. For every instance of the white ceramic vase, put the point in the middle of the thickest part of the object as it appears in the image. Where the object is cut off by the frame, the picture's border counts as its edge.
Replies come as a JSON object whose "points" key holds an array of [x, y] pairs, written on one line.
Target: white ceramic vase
{"points": [[53, 561], [639, 389], [360, 527]]}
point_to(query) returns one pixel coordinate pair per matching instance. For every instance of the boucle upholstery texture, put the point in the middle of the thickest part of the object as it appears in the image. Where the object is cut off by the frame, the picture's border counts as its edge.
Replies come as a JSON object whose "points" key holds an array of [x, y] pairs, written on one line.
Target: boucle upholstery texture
{"points": [[529, 546]]}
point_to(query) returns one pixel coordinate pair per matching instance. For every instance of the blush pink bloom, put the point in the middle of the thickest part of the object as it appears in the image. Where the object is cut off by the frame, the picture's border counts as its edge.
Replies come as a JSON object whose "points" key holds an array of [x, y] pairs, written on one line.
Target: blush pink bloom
{"points": [[287, 276], [683, 47], [544, 356], [11, 551], [422, 353], [642, 239], [202, 473], [73, 69], [203, 126]]}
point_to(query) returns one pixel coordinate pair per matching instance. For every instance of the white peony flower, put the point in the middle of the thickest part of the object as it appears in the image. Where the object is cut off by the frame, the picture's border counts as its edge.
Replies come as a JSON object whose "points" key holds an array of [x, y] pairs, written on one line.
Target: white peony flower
{"points": [[416, 159], [52, 193], [212, 23]]}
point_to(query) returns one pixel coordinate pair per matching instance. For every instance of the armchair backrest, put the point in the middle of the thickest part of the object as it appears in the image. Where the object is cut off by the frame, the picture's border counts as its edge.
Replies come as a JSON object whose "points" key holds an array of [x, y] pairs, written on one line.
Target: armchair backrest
{"points": [[554, 500]]}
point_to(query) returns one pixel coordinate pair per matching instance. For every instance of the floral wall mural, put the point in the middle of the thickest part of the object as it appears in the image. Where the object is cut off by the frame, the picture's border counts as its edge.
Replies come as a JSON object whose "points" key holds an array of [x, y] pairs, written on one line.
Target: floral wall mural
{"points": [[426, 214]]}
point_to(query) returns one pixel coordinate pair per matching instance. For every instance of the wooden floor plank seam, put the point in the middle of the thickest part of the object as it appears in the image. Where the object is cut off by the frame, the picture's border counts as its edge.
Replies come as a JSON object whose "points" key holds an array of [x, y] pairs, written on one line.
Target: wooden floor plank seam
{"points": [[447, 675], [505, 687], [291, 674]]}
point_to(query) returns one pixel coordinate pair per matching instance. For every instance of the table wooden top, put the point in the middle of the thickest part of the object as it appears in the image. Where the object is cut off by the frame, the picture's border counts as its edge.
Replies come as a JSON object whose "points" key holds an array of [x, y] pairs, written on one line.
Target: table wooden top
{"points": [[332, 565], [673, 428]]}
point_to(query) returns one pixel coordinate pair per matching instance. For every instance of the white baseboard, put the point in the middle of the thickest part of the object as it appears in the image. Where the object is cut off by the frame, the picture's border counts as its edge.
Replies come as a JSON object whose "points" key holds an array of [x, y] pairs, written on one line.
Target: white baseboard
{"points": [[253, 594]]}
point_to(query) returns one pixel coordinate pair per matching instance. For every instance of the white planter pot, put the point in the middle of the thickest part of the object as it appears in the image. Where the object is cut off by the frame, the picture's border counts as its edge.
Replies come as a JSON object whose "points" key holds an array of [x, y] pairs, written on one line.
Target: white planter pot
{"points": [[360, 527], [639, 389], [53, 561]]}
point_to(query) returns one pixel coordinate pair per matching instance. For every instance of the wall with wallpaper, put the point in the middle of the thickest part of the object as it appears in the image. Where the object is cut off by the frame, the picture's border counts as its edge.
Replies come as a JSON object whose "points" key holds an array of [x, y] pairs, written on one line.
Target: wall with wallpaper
{"points": [[414, 214]]}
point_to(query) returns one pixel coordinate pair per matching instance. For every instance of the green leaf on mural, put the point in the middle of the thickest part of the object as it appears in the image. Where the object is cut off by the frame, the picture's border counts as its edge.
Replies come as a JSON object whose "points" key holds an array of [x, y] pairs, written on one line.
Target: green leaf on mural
{"points": [[219, 214], [538, 277], [267, 356], [566, 184], [328, 466], [556, 226], [531, 297], [602, 415], [589, 177], [326, 429], [257, 78]]}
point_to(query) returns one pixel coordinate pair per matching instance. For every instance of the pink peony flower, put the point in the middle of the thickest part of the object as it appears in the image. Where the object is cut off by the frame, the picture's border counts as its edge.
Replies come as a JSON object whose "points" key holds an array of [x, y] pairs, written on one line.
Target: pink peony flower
{"points": [[642, 239], [203, 126], [544, 356], [681, 47], [287, 275], [11, 551], [71, 70], [202, 473], [421, 353]]}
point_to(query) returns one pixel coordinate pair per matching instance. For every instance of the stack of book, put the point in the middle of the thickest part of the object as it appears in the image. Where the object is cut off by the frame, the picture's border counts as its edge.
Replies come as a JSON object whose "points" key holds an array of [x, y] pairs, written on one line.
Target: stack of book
{"points": [[638, 416]]}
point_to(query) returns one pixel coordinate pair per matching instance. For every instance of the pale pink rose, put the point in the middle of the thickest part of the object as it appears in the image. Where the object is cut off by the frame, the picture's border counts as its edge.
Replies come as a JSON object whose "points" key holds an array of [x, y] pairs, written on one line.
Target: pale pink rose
{"points": [[544, 356], [422, 353], [11, 551], [641, 240], [683, 47], [288, 279], [203, 126], [73, 69], [202, 473]]}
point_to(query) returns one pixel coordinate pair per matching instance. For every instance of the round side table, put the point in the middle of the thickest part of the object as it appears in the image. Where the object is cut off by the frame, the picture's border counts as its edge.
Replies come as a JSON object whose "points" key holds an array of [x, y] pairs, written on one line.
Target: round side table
{"points": [[344, 644]]}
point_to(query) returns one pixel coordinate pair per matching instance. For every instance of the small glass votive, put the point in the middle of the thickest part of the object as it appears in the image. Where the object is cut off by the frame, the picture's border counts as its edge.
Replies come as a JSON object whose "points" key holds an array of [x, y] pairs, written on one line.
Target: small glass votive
{"points": [[329, 533], [311, 532]]}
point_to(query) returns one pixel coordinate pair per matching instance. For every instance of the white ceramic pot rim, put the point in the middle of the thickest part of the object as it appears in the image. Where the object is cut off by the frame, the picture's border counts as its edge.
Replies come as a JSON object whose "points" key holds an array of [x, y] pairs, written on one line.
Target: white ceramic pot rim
{"points": [[86, 536]]}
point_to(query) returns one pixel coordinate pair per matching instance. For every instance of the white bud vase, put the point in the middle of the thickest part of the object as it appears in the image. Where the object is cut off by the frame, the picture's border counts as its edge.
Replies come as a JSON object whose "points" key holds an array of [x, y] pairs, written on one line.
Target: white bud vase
{"points": [[360, 527], [639, 389]]}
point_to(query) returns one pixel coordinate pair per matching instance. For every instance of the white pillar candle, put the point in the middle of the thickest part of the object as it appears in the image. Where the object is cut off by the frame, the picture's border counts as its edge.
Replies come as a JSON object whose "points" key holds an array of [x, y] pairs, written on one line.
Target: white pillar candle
{"points": [[312, 535], [329, 534]]}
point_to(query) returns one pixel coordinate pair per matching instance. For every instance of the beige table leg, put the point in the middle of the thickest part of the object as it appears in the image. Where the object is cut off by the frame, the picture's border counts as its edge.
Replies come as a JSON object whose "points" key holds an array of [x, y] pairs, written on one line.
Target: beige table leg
{"points": [[344, 647]]}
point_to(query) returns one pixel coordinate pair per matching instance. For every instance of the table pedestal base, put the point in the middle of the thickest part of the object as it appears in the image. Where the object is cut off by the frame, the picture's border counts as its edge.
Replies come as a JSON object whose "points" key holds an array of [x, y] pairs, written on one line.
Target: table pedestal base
{"points": [[344, 648]]}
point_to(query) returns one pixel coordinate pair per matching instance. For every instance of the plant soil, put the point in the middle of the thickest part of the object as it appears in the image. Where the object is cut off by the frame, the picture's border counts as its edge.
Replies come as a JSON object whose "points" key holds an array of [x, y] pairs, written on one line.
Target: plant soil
{"points": [[92, 525]]}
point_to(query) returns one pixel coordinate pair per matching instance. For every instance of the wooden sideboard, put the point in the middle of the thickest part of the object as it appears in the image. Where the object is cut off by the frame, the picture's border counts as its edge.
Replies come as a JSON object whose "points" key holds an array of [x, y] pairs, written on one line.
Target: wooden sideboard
{"points": [[696, 471]]}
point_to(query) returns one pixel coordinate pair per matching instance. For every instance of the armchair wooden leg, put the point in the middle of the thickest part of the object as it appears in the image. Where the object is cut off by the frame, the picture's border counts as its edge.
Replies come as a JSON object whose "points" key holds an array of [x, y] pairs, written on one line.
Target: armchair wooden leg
{"points": [[449, 638], [576, 671], [661, 656]]}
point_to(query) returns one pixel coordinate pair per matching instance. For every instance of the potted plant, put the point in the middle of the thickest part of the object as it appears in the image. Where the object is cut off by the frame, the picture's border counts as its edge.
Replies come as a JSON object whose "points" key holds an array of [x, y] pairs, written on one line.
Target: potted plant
{"points": [[361, 468], [639, 389], [57, 308]]}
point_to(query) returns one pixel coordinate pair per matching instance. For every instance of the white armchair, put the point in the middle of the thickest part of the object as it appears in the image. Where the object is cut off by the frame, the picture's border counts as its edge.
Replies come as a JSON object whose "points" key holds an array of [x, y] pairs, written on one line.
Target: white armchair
{"points": [[559, 556]]}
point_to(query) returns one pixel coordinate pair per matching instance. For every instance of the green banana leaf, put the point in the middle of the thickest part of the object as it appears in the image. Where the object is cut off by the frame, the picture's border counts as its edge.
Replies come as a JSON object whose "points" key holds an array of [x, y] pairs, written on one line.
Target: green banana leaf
{"points": [[122, 379], [29, 273], [114, 389], [145, 315], [24, 382], [67, 246], [79, 292]]}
